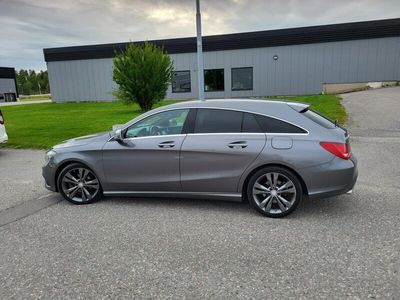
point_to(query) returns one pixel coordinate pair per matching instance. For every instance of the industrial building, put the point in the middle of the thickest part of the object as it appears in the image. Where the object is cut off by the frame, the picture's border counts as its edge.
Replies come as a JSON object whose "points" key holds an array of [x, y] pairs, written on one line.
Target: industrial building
{"points": [[275, 62], [8, 85]]}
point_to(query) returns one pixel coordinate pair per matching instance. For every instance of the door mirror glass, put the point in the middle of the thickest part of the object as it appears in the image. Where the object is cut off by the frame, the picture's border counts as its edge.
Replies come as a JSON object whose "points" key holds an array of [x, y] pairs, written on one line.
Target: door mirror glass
{"points": [[163, 123]]}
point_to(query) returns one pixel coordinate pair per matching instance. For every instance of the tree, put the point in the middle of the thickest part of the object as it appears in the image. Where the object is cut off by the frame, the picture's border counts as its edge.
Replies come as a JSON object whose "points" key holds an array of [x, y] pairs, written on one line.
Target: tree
{"points": [[143, 73], [29, 82]]}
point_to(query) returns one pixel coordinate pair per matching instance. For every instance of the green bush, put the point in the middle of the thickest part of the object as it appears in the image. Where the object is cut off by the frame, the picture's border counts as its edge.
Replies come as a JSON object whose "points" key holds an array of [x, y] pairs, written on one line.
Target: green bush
{"points": [[143, 73]]}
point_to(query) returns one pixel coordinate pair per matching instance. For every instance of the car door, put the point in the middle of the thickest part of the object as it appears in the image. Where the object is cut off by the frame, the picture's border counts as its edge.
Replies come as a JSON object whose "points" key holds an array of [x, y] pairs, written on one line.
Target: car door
{"points": [[148, 157], [222, 145]]}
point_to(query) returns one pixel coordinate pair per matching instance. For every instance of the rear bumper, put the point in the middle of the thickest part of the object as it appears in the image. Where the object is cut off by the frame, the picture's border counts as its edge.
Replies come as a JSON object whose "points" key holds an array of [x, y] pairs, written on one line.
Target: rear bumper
{"points": [[336, 178]]}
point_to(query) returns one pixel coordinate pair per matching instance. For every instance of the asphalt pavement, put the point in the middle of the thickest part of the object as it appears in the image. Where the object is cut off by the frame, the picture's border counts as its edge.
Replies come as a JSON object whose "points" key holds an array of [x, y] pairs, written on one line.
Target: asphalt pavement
{"points": [[336, 248]]}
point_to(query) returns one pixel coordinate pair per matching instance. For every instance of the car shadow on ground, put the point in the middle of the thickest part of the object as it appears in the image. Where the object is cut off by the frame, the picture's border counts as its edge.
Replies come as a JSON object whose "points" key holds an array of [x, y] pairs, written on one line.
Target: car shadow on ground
{"points": [[339, 206]]}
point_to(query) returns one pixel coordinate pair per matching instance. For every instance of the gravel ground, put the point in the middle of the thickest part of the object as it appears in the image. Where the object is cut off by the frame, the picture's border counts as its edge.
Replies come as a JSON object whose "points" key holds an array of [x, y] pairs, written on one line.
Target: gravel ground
{"points": [[20, 176], [341, 247]]}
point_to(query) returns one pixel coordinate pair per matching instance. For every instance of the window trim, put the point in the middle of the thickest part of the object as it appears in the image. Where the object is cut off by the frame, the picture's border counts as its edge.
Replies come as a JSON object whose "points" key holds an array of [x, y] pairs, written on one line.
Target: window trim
{"points": [[223, 90], [196, 107], [252, 79], [180, 92]]}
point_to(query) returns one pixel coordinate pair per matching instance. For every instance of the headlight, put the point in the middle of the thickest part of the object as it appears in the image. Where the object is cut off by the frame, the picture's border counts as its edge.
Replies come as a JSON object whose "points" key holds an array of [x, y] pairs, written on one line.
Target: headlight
{"points": [[49, 155]]}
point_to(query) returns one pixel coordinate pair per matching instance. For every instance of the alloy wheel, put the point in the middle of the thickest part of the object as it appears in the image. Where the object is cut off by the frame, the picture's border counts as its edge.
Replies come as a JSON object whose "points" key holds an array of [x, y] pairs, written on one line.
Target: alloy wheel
{"points": [[274, 193], [80, 185]]}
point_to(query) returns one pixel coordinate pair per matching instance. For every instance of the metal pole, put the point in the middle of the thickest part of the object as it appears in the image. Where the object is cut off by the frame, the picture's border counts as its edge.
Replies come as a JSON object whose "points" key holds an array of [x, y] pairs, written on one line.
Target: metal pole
{"points": [[200, 63]]}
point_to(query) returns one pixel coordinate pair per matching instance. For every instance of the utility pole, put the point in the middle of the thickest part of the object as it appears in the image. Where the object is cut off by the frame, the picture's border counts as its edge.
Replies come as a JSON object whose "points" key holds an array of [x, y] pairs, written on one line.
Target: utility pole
{"points": [[200, 62]]}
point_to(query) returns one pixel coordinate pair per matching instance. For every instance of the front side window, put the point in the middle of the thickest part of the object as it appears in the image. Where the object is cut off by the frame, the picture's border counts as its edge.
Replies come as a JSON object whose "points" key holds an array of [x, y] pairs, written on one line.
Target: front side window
{"points": [[181, 82], [242, 79], [164, 123], [214, 80], [217, 121]]}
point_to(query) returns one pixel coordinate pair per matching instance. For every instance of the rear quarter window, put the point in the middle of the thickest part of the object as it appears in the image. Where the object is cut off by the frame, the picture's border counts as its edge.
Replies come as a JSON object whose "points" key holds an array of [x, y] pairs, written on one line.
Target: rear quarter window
{"points": [[272, 125]]}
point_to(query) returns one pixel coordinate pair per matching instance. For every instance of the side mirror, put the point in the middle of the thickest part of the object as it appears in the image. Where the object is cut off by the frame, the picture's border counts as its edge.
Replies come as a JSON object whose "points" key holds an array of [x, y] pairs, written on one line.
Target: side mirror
{"points": [[118, 136]]}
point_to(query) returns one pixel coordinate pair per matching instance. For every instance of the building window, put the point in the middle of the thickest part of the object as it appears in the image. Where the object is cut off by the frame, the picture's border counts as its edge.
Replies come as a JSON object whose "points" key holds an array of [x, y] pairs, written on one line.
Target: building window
{"points": [[181, 82], [242, 79], [214, 80]]}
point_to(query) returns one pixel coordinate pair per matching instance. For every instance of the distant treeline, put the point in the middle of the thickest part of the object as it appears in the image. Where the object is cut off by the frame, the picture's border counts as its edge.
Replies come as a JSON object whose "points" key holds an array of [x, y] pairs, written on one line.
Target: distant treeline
{"points": [[32, 83]]}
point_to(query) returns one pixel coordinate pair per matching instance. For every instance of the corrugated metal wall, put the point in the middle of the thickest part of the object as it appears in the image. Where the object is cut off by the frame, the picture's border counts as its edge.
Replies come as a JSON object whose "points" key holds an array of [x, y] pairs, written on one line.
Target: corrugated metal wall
{"points": [[300, 69], [7, 85]]}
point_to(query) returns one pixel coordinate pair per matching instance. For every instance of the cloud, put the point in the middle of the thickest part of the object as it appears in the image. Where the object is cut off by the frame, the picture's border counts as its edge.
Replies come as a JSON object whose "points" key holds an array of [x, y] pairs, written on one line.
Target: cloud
{"points": [[28, 26]]}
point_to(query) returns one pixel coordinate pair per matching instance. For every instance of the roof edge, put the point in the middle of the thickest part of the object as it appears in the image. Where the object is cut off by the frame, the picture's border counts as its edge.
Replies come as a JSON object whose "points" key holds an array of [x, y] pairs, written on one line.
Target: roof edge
{"points": [[244, 40]]}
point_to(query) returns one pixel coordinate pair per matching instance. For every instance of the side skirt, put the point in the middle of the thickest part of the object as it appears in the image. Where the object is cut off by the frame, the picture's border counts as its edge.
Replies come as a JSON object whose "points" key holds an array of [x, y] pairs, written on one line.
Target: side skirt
{"points": [[237, 197]]}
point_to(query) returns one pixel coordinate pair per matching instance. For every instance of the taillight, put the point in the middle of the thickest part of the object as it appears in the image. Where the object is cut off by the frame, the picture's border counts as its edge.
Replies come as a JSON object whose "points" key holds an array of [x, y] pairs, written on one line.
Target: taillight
{"points": [[1, 118], [340, 150]]}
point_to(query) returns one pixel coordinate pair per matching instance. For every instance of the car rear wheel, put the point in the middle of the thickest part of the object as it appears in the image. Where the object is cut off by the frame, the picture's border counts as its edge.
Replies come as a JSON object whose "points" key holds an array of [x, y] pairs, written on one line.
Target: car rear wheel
{"points": [[79, 184], [274, 192]]}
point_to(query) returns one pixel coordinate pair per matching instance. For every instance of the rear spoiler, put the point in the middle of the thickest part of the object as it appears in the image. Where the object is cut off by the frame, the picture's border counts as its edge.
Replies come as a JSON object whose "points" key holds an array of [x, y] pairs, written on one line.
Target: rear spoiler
{"points": [[298, 106], [303, 107]]}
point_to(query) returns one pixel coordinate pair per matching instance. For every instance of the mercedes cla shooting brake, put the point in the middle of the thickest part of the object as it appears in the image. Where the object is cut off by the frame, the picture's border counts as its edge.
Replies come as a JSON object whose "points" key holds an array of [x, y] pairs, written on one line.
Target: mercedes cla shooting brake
{"points": [[271, 153]]}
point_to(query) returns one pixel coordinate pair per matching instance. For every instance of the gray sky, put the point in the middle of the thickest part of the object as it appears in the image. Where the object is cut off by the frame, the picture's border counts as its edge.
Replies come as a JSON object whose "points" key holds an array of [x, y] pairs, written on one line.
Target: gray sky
{"points": [[28, 26]]}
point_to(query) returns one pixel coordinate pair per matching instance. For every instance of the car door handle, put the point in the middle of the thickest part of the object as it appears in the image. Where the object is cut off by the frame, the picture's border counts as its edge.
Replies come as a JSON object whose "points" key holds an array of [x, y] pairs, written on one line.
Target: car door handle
{"points": [[237, 145], [168, 144]]}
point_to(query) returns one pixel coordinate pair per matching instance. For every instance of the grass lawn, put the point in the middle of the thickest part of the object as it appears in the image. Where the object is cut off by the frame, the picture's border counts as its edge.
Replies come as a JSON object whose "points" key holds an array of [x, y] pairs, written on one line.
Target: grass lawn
{"points": [[41, 126]]}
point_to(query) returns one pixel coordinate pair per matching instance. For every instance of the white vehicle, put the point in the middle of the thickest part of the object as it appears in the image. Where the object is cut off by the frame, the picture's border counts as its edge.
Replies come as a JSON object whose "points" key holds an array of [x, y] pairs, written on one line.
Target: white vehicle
{"points": [[3, 133]]}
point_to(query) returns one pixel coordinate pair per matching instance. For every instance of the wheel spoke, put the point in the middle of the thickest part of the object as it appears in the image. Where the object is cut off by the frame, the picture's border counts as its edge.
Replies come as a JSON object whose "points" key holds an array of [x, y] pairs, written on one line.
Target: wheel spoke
{"points": [[265, 201], [281, 205], [258, 192], [287, 185], [69, 181], [284, 201], [275, 178], [269, 179], [71, 189], [73, 193], [85, 173], [80, 170], [83, 196], [269, 205], [92, 183], [261, 187], [291, 190], [87, 194], [71, 178]]}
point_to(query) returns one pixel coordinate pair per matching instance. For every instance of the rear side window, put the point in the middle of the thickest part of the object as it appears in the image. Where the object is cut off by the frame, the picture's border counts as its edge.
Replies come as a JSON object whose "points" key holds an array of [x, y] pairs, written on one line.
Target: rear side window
{"points": [[217, 121], [319, 119], [272, 125], [250, 123]]}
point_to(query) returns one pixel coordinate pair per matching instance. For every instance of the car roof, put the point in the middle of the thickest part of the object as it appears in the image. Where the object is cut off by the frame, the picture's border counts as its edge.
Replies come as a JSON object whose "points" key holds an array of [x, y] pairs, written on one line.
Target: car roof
{"points": [[251, 105]]}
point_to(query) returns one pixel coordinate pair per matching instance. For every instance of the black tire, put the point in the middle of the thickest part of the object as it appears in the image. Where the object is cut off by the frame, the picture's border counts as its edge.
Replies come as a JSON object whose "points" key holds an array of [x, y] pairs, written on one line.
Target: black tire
{"points": [[259, 198], [81, 195]]}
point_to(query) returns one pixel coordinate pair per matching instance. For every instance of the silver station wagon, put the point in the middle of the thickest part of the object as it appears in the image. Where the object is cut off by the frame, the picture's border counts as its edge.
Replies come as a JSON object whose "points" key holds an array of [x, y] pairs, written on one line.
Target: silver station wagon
{"points": [[273, 154]]}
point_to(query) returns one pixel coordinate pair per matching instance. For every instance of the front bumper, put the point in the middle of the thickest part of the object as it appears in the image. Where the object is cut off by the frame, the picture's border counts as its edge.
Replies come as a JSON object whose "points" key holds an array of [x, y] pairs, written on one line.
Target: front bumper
{"points": [[49, 175]]}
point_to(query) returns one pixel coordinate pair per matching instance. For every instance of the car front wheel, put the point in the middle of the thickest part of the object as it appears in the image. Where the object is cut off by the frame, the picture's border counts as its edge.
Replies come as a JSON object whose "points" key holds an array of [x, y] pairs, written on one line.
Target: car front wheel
{"points": [[79, 184], [274, 191]]}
